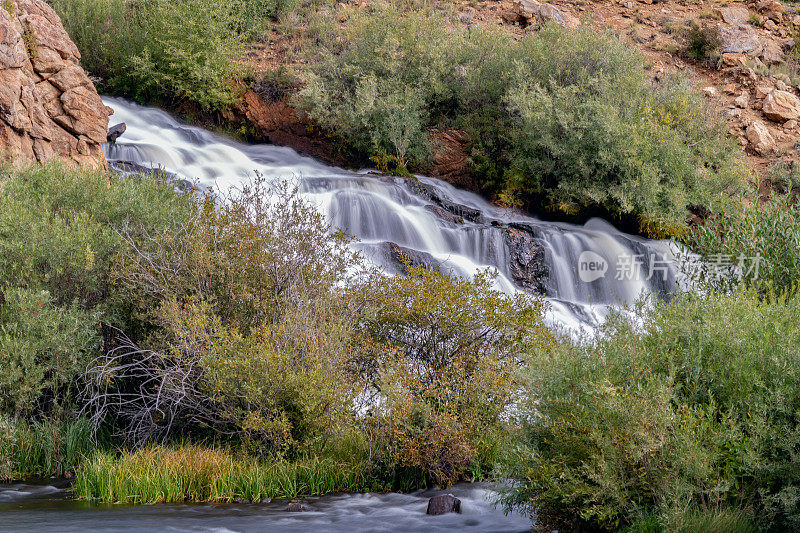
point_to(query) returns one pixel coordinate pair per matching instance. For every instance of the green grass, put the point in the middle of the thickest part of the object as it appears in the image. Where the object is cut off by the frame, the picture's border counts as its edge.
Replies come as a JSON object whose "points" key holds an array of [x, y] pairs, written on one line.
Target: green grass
{"points": [[42, 449], [191, 473]]}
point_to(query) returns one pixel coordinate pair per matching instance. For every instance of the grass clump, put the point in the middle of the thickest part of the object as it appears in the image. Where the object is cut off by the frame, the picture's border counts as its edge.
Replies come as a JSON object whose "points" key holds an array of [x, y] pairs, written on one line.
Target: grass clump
{"points": [[565, 120], [686, 414], [42, 448], [209, 474]]}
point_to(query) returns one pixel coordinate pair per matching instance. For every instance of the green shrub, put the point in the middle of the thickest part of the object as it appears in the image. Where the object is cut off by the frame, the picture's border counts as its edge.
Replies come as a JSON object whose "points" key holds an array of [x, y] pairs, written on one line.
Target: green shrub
{"points": [[248, 335], [667, 413], [165, 50], [59, 231], [441, 354], [562, 119], [758, 245], [701, 42], [42, 348]]}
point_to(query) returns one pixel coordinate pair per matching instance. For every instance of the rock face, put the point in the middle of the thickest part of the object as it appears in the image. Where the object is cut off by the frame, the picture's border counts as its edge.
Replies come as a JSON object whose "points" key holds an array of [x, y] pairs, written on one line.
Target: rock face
{"points": [[48, 106], [734, 15], [781, 106], [741, 39]]}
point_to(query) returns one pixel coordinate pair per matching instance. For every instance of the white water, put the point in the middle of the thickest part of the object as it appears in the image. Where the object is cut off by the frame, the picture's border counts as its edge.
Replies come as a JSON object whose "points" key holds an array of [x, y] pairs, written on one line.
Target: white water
{"points": [[380, 209]]}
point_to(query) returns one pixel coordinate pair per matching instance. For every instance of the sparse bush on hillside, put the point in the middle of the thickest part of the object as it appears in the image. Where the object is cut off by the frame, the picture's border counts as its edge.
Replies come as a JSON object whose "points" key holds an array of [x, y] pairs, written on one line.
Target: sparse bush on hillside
{"points": [[689, 408], [163, 49], [560, 119], [701, 42]]}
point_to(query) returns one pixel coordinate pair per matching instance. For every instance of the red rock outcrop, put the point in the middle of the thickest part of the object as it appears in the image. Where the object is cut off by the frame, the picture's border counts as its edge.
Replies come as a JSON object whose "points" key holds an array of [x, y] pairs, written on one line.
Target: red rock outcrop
{"points": [[48, 105]]}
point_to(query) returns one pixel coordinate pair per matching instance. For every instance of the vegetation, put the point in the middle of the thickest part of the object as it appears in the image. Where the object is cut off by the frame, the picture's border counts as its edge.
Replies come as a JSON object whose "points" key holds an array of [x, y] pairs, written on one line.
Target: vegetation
{"points": [[42, 448], [560, 119], [667, 413], [243, 323], [202, 474], [757, 246], [165, 50]]}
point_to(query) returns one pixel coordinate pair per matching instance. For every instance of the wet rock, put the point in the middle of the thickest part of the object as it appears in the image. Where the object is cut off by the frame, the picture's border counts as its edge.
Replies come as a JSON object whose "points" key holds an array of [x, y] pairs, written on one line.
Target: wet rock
{"points": [[760, 138], [295, 507], [740, 39], [526, 258], [402, 258], [115, 131], [443, 504], [781, 106], [48, 105], [459, 210], [533, 12], [444, 214]]}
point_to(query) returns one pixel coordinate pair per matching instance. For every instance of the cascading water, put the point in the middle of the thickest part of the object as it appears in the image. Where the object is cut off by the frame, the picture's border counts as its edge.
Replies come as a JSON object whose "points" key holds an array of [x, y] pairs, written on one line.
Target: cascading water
{"points": [[582, 270]]}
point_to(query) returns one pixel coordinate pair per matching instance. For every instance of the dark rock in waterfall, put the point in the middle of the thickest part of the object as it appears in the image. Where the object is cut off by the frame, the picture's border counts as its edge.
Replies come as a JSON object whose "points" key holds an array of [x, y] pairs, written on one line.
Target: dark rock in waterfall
{"points": [[402, 257], [459, 210], [526, 258], [295, 507], [444, 214], [443, 504], [128, 168], [115, 131]]}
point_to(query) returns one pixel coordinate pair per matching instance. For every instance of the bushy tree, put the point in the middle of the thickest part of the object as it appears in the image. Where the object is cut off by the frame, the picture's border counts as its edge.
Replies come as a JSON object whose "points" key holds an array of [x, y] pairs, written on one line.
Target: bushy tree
{"points": [[442, 354]]}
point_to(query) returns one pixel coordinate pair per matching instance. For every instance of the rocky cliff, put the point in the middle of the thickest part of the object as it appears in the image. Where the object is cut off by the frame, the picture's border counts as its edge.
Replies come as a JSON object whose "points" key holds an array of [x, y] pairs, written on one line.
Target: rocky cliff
{"points": [[48, 105]]}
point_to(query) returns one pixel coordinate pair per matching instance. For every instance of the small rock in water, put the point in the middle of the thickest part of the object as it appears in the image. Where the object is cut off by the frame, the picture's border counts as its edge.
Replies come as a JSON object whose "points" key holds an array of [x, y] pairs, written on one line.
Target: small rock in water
{"points": [[295, 507], [443, 504], [115, 131]]}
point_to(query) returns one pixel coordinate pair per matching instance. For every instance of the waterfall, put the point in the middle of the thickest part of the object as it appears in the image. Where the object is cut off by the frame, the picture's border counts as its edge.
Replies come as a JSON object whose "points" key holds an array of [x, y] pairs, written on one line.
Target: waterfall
{"points": [[583, 271]]}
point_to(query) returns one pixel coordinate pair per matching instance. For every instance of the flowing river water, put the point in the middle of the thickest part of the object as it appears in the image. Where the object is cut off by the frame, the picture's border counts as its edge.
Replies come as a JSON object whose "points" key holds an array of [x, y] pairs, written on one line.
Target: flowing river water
{"points": [[583, 271]]}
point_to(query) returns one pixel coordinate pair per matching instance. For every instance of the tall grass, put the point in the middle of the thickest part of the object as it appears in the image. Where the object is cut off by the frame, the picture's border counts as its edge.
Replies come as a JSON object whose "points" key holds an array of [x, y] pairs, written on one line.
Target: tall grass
{"points": [[42, 449], [201, 474]]}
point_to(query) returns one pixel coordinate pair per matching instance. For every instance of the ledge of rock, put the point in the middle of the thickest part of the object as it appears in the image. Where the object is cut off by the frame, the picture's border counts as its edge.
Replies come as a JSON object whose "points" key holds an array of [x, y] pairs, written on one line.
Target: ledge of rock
{"points": [[48, 106]]}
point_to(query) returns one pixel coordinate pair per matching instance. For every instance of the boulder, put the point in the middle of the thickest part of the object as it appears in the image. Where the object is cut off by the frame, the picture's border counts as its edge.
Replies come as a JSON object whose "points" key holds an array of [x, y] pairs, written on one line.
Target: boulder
{"points": [[526, 258], [403, 258], [740, 39], [734, 15], [772, 53], [115, 131], [48, 106], [443, 504], [295, 507], [742, 100], [710, 92], [532, 11], [781, 106], [760, 138]]}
